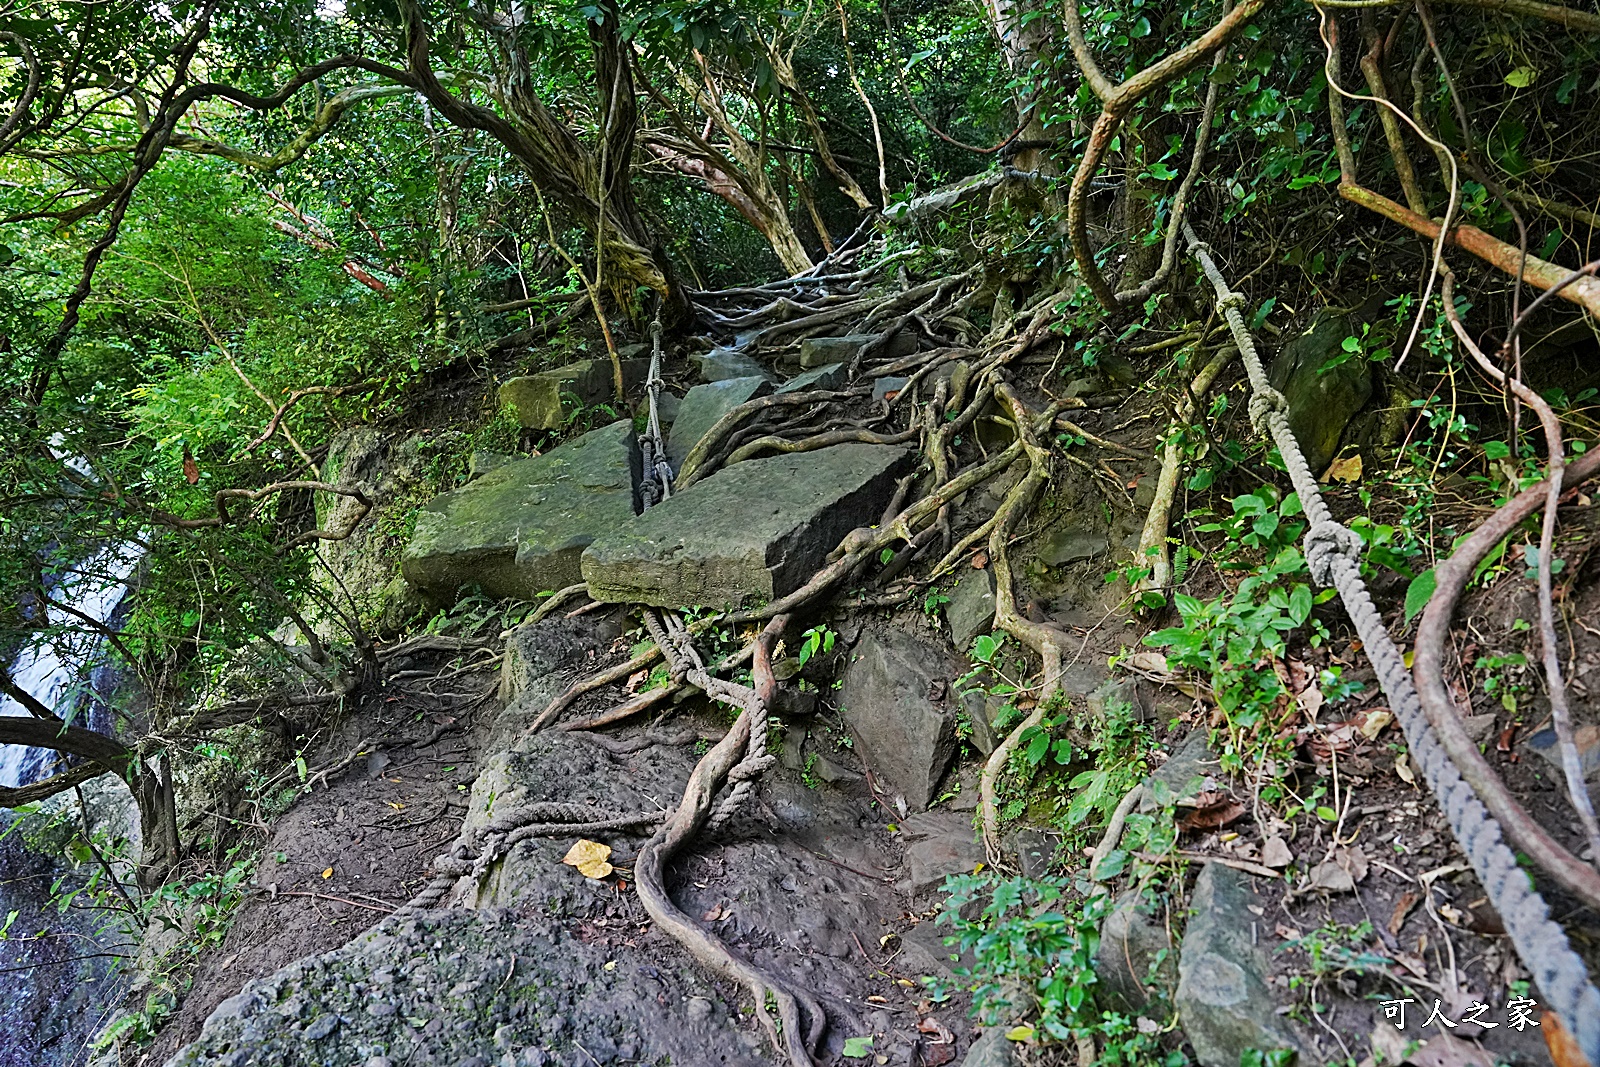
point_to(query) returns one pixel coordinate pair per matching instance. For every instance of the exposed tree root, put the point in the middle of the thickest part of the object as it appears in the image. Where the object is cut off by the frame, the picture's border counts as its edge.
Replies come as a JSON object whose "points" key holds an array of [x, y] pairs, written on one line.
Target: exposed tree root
{"points": [[800, 1018], [1153, 538]]}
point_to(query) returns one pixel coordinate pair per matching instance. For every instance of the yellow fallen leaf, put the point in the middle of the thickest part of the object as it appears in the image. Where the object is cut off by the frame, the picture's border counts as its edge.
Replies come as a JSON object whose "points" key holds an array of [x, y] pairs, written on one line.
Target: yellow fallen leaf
{"points": [[396, 805], [328, 873], [1403, 769], [1407, 657], [1376, 721], [590, 857], [1344, 470], [1019, 1033]]}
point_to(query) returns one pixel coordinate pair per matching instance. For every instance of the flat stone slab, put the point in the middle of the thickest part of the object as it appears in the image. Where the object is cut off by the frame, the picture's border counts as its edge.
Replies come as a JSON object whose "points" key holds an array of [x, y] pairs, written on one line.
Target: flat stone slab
{"points": [[520, 529], [751, 532], [701, 408], [820, 351], [544, 400], [828, 376], [720, 364]]}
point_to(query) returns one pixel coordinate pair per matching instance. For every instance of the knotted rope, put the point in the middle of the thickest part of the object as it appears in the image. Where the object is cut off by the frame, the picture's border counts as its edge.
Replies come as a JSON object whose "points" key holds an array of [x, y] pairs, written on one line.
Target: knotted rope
{"points": [[1333, 553], [656, 485]]}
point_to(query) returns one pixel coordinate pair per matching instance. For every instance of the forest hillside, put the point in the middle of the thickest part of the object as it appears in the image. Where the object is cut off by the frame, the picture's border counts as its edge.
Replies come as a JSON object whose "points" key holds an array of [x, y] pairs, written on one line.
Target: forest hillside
{"points": [[707, 531]]}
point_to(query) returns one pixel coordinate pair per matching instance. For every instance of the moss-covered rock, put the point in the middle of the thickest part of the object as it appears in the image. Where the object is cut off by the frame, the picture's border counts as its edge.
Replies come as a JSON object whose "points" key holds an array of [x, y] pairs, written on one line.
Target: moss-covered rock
{"points": [[520, 529]]}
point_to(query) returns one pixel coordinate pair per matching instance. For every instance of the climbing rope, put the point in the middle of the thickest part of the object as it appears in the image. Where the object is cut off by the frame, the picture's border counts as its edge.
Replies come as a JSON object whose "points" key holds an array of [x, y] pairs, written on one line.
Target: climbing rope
{"points": [[677, 645], [1333, 552], [656, 485], [474, 852]]}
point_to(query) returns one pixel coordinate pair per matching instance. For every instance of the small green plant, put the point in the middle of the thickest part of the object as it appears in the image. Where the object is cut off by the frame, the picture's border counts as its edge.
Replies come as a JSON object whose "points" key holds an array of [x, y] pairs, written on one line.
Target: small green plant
{"points": [[816, 641], [934, 602], [808, 774], [1033, 944]]}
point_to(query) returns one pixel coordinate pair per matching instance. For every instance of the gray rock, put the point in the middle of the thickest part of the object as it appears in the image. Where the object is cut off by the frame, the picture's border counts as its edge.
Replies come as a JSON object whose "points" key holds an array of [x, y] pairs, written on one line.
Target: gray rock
{"points": [[1068, 544], [1223, 1000], [667, 407], [819, 351], [500, 987], [521, 529], [991, 1050], [882, 387], [828, 376], [757, 530], [905, 737], [1134, 949], [942, 843], [703, 405], [720, 364], [1034, 849], [481, 463], [1322, 403], [970, 611], [1587, 739], [982, 708], [543, 401], [1191, 770]]}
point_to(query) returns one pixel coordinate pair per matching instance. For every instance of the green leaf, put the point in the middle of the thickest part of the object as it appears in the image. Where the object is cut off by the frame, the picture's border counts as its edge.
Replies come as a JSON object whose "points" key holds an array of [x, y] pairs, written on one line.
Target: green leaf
{"points": [[1327, 814], [857, 1048], [1162, 172], [1300, 605], [1496, 449], [1418, 592], [1522, 77]]}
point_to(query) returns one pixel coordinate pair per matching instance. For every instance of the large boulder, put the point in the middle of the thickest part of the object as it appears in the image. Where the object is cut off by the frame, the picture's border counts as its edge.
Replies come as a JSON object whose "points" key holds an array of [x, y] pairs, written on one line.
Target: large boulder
{"points": [[393, 471], [1322, 401], [704, 405], [897, 700], [451, 988], [520, 529], [751, 532], [1223, 1000], [543, 401]]}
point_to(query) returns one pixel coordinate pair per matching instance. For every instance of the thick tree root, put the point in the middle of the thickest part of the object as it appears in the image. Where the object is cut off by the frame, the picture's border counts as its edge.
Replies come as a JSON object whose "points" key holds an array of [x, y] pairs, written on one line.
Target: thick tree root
{"points": [[800, 1018]]}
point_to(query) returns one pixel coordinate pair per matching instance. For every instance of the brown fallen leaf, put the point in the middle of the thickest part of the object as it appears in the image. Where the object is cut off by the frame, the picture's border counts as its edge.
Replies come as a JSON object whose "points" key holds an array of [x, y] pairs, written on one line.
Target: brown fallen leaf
{"points": [[1353, 860], [1275, 852], [1332, 877], [591, 858], [635, 680], [1402, 767], [1402, 907], [1212, 814], [941, 1033], [980, 559], [191, 469]]}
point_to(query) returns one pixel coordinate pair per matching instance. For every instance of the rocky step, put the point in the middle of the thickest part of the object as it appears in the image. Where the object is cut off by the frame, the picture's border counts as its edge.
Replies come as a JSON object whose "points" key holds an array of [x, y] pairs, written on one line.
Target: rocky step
{"points": [[521, 528], [752, 532]]}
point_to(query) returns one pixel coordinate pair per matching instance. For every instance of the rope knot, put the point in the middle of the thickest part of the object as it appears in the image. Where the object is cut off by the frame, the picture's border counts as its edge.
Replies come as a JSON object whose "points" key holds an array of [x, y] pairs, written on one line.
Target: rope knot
{"points": [[1232, 299], [1263, 405], [1327, 541], [1200, 248]]}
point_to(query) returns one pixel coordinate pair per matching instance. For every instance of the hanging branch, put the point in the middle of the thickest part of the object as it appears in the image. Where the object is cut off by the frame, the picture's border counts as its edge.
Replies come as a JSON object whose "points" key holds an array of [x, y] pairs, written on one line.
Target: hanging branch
{"points": [[1116, 102]]}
